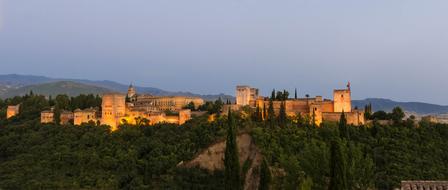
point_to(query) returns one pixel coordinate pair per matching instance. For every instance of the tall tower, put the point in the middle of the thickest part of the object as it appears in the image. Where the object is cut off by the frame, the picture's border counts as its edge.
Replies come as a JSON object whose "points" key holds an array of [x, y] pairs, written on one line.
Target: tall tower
{"points": [[342, 100], [244, 94], [131, 93], [113, 108]]}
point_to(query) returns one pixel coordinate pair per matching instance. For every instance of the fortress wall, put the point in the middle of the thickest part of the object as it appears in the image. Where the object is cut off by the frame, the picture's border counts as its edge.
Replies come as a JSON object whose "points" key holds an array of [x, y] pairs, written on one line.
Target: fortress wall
{"points": [[353, 118]]}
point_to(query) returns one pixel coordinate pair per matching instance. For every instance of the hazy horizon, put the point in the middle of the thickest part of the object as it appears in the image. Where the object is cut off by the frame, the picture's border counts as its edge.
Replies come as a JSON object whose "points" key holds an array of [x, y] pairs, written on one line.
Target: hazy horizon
{"points": [[386, 49]]}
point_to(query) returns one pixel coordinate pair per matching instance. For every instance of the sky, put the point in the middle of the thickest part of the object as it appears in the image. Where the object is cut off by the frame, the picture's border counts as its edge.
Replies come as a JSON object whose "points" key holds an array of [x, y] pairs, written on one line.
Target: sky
{"points": [[395, 49]]}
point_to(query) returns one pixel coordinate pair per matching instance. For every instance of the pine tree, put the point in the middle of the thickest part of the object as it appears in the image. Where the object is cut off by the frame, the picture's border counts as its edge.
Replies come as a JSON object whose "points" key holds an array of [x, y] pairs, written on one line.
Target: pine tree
{"points": [[338, 167], [265, 176], [232, 172], [343, 129]]}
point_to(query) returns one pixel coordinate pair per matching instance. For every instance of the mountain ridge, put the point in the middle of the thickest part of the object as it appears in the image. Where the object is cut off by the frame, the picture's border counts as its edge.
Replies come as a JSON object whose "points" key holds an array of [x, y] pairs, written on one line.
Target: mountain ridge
{"points": [[13, 82]]}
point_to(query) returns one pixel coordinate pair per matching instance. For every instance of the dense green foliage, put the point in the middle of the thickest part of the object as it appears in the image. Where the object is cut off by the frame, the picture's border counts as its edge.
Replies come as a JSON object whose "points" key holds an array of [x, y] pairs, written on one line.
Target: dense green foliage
{"points": [[376, 156], [298, 155], [35, 156]]}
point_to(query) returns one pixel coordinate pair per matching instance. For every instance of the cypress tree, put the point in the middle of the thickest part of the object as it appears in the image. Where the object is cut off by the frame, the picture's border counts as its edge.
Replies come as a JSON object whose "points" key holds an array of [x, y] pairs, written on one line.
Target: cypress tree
{"points": [[343, 129], [271, 113], [282, 114], [257, 114], [295, 93], [265, 176], [232, 172], [338, 167], [264, 111], [273, 94]]}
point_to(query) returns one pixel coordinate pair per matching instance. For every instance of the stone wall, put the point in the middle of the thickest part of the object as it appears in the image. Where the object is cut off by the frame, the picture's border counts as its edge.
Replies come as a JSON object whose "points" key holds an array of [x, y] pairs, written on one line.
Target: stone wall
{"points": [[353, 118]]}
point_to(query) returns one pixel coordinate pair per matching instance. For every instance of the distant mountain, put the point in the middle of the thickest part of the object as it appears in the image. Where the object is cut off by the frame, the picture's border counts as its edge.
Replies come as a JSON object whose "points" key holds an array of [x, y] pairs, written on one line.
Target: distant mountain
{"points": [[415, 107], [13, 84], [55, 88]]}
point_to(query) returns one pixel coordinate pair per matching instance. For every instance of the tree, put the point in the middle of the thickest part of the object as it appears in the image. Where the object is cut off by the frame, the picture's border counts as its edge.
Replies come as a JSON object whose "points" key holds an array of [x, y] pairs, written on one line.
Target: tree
{"points": [[273, 94], [285, 95], [343, 129], [368, 111], [232, 171], [295, 93], [379, 115], [397, 115], [190, 106], [264, 112], [282, 114], [271, 113], [338, 167], [265, 176]]}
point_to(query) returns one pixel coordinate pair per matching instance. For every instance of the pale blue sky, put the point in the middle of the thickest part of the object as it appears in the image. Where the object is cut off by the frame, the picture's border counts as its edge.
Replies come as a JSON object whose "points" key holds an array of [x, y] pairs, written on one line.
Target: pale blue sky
{"points": [[387, 48]]}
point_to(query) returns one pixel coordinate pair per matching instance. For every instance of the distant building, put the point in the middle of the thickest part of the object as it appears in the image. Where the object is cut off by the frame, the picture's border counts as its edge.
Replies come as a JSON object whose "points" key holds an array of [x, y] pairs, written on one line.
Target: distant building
{"points": [[12, 111], [85, 116], [164, 103], [66, 117], [133, 108], [419, 185], [321, 109], [47, 116], [245, 94], [113, 109]]}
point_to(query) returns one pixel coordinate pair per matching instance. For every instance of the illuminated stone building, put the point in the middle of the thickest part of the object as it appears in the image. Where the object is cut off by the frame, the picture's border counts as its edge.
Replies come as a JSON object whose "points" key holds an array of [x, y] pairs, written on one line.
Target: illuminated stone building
{"points": [[137, 109], [66, 117], [245, 94], [317, 107], [113, 109], [163, 103], [85, 116], [47, 116], [12, 111]]}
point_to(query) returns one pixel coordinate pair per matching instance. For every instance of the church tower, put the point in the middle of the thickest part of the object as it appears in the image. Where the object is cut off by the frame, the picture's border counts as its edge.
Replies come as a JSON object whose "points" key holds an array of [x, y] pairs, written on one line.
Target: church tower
{"points": [[132, 93]]}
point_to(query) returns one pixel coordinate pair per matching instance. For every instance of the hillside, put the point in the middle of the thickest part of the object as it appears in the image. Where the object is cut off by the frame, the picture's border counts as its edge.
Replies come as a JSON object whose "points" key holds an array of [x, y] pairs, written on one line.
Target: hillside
{"points": [[10, 84], [388, 105], [212, 159], [55, 88]]}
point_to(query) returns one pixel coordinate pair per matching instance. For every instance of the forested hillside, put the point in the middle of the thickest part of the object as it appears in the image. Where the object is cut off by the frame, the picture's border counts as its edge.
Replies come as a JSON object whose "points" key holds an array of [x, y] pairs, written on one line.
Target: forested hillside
{"points": [[299, 155]]}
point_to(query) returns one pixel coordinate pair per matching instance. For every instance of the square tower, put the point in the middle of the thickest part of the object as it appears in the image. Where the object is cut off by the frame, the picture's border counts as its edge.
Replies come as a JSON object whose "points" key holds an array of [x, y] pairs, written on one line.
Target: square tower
{"points": [[113, 108], [245, 94], [342, 100]]}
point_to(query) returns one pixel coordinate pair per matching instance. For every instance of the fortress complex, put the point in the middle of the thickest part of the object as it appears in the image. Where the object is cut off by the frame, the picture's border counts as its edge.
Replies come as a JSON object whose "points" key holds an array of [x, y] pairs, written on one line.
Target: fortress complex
{"points": [[130, 108], [134, 108], [322, 109]]}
